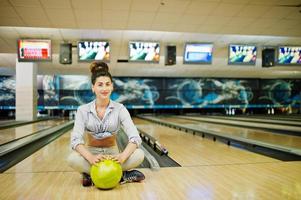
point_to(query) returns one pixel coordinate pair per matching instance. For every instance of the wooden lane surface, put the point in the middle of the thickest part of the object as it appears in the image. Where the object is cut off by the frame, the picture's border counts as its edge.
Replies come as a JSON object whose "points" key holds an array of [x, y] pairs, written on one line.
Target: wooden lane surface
{"points": [[55, 180], [281, 127], [276, 117], [257, 181], [191, 150], [9, 134], [215, 182], [46, 175], [253, 134]]}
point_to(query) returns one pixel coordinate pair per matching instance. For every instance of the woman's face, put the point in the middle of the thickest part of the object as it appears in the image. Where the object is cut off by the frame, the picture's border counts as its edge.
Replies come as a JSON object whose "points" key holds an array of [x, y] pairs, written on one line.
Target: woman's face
{"points": [[103, 87]]}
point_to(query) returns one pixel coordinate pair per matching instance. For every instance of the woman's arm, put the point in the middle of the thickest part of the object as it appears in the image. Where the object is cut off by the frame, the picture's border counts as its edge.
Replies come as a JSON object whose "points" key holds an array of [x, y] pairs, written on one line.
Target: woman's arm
{"points": [[129, 149], [132, 133]]}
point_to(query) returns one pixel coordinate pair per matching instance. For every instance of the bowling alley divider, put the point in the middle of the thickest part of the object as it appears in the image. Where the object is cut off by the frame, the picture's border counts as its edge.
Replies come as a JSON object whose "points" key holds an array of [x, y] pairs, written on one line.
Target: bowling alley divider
{"points": [[13, 152], [153, 142], [20, 123], [153, 158]]}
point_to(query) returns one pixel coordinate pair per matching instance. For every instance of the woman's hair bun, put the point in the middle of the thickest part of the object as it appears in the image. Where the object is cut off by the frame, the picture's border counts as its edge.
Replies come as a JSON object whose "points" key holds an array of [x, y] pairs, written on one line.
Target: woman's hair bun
{"points": [[99, 66]]}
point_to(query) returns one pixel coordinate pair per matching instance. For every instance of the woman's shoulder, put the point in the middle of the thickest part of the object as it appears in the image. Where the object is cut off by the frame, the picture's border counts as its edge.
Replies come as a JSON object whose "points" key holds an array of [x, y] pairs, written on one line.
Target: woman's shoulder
{"points": [[85, 107]]}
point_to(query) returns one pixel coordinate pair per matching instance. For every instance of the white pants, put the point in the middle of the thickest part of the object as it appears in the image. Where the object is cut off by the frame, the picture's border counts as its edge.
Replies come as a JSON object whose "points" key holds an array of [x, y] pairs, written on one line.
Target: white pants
{"points": [[80, 164]]}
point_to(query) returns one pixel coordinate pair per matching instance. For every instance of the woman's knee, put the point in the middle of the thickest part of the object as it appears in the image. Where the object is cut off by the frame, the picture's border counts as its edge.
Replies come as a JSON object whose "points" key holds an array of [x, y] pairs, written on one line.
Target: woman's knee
{"points": [[134, 160], [73, 158], [77, 162], [139, 155]]}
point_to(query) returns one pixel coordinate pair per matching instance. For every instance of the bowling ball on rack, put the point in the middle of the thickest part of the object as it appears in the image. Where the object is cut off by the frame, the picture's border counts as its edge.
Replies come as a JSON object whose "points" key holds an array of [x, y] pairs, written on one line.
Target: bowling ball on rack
{"points": [[106, 174]]}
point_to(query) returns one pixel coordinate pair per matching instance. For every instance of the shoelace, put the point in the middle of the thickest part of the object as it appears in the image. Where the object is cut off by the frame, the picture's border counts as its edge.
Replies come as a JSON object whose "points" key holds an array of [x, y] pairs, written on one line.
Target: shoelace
{"points": [[130, 177]]}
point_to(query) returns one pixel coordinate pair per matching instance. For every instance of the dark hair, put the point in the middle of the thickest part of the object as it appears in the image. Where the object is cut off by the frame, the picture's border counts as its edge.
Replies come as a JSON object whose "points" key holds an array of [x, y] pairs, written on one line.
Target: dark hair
{"points": [[99, 69]]}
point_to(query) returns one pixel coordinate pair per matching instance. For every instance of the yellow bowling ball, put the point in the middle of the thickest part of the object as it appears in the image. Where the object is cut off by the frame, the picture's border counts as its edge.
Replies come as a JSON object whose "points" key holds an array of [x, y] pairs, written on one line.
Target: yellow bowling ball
{"points": [[106, 174]]}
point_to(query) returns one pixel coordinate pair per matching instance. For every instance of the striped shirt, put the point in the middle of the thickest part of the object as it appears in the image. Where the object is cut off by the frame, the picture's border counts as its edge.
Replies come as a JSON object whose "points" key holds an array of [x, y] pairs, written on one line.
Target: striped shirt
{"points": [[116, 116]]}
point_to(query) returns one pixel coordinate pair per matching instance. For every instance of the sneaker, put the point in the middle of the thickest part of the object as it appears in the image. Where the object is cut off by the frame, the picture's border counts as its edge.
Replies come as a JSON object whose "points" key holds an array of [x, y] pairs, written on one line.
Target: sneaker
{"points": [[87, 181], [132, 176]]}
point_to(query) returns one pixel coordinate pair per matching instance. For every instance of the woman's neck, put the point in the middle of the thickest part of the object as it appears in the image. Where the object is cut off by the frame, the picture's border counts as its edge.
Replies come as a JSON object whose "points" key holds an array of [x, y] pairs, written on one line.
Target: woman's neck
{"points": [[102, 103]]}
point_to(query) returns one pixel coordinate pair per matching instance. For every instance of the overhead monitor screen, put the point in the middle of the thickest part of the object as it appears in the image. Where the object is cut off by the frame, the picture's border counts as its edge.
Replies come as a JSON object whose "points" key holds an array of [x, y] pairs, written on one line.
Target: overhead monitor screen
{"points": [[144, 51], [195, 53], [93, 51], [288, 55], [242, 54], [31, 50]]}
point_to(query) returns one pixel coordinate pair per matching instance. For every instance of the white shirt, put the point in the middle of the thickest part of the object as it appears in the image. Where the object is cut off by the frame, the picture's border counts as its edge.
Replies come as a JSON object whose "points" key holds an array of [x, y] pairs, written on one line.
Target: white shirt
{"points": [[115, 117]]}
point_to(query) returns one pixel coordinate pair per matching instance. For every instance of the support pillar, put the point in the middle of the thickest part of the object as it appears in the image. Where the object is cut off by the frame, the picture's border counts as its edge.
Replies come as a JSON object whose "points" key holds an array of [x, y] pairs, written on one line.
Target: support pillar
{"points": [[26, 91]]}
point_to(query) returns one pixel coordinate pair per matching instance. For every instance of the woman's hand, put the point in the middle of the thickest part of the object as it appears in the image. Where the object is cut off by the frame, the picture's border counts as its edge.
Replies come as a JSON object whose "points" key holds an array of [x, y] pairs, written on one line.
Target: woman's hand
{"points": [[93, 159], [127, 152], [120, 158]]}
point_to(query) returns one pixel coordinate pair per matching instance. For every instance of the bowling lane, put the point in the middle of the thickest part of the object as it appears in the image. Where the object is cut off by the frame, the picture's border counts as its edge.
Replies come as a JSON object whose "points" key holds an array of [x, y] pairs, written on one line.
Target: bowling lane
{"points": [[257, 120], [288, 141], [192, 150], [50, 158], [10, 134], [277, 127]]}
